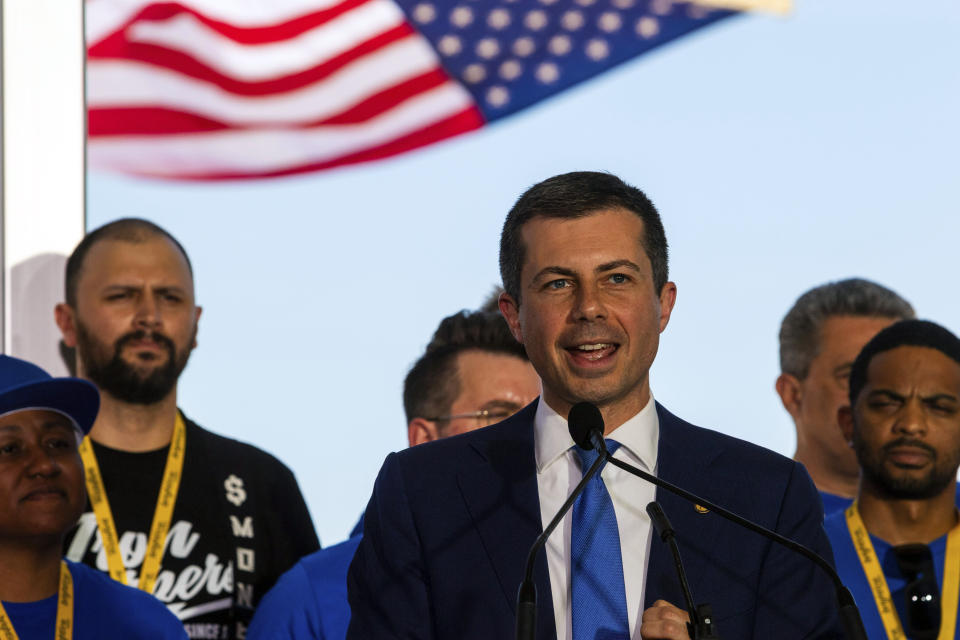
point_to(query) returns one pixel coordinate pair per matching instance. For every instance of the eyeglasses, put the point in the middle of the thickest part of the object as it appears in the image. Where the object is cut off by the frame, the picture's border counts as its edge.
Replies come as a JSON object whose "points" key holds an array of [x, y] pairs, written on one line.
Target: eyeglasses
{"points": [[922, 592], [485, 417]]}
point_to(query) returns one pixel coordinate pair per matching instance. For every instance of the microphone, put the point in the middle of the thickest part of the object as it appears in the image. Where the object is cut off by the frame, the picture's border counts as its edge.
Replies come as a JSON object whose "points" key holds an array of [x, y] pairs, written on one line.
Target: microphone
{"points": [[586, 428], [700, 626]]}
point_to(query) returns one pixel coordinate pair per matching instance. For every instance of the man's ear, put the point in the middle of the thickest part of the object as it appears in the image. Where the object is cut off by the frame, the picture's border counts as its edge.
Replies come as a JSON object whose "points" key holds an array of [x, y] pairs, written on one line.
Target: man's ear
{"points": [[421, 430], [65, 317], [845, 420], [510, 309], [791, 393], [196, 322], [668, 298]]}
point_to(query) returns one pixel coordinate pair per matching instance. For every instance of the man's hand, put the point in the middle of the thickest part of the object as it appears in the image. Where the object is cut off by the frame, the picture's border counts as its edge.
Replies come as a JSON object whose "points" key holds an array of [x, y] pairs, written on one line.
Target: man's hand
{"points": [[663, 621]]}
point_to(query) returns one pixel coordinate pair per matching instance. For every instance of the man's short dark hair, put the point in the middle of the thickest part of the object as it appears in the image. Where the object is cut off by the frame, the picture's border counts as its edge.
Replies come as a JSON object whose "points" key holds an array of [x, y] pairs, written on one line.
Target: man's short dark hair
{"points": [[134, 230], [577, 195], [433, 383], [801, 329], [906, 333]]}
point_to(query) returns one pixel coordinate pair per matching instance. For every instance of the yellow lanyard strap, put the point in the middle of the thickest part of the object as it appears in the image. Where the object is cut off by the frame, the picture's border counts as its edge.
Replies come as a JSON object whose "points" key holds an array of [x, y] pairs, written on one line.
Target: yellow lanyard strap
{"points": [[64, 624], [162, 515], [949, 592]]}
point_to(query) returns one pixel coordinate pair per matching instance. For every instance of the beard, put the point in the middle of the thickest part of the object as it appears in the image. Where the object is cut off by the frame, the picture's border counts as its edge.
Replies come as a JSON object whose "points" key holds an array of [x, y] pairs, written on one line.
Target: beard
{"points": [[127, 382], [905, 487]]}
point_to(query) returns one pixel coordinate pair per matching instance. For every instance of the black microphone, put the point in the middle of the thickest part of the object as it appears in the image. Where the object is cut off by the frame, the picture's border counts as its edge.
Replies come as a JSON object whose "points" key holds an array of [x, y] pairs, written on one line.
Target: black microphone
{"points": [[700, 626], [586, 428], [849, 613]]}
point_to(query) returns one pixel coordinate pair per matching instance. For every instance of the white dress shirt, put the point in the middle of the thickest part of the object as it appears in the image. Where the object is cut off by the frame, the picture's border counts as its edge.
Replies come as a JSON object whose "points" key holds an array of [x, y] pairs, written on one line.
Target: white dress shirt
{"points": [[558, 472]]}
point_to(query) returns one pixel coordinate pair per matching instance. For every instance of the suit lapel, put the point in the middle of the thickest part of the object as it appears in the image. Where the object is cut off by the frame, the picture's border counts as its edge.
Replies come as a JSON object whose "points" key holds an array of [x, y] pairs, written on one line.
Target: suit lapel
{"points": [[682, 462], [501, 494]]}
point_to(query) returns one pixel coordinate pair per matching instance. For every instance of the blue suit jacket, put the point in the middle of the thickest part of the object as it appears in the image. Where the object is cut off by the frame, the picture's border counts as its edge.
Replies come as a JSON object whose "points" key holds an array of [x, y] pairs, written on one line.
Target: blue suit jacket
{"points": [[448, 528]]}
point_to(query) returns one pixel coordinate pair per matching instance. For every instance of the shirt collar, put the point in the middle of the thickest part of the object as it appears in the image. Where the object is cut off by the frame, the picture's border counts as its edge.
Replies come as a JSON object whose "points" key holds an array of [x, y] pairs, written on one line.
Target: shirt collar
{"points": [[638, 436]]}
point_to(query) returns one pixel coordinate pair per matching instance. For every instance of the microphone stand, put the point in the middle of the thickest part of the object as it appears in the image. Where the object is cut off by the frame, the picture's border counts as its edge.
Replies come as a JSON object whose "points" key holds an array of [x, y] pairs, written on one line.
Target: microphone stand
{"points": [[700, 626], [527, 594], [849, 614]]}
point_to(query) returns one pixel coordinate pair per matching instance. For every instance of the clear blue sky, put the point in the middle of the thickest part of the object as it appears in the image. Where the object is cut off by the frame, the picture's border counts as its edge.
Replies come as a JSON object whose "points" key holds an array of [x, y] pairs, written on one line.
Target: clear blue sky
{"points": [[781, 152]]}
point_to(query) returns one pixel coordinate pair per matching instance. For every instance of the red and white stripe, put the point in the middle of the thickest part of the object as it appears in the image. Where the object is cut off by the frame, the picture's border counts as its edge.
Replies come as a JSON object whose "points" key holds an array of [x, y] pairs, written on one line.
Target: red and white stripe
{"points": [[253, 88]]}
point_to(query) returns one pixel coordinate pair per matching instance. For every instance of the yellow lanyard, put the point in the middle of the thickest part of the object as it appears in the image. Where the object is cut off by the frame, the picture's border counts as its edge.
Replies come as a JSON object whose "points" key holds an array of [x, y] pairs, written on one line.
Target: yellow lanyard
{"points": [[64, 628], [161, 516], [949, 592]]}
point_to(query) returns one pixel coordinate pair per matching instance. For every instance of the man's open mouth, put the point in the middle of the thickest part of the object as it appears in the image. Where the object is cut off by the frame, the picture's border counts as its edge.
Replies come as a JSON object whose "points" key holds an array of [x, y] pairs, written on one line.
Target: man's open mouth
{"points": [[593, 351]]}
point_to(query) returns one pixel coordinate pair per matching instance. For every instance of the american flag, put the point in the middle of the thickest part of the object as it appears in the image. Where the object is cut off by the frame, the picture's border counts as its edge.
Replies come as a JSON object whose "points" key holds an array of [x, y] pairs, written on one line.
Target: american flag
{"points": [[224, 89]]}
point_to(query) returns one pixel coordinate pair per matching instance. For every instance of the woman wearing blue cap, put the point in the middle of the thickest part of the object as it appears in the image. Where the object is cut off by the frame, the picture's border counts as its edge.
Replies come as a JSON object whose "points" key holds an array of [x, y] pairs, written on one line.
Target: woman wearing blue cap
{"points": [[42, 494]]}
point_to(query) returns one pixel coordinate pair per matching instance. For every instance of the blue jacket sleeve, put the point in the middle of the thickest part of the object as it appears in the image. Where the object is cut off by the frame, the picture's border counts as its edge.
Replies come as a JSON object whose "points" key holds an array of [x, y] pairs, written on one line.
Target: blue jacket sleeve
{"points": [[288, 611], [793, 592], [387, 584]]}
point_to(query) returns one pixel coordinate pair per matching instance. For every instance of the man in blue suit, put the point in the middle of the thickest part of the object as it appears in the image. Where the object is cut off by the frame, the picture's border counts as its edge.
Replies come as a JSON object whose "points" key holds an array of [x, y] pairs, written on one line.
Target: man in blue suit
{"points": [[583, 258]]}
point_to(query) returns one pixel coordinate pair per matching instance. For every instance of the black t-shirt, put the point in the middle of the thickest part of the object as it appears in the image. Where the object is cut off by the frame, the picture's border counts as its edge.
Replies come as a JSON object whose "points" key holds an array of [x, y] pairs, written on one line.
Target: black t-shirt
{"points": [[239, 522]]}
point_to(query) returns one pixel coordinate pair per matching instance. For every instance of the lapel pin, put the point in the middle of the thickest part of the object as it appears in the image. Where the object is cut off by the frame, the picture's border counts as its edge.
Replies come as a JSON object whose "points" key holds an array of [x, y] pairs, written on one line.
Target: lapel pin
{"points": [[701, 509]]}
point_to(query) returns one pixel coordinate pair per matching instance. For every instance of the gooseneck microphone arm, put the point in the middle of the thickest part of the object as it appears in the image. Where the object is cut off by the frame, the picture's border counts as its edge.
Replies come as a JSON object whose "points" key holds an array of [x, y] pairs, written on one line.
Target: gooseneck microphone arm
{"points": [[665, 530], [527, 594], [849, 614]]}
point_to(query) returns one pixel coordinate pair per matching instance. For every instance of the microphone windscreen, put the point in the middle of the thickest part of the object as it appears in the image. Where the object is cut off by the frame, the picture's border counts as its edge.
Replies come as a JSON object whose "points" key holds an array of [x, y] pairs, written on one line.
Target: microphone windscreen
{"points": [[659, 519], [583, 418]]}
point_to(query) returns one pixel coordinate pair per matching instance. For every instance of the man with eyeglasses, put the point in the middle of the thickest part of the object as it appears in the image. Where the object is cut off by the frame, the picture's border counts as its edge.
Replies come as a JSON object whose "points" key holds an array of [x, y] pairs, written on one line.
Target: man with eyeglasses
{"points": [[472, 374], [899, 542]]}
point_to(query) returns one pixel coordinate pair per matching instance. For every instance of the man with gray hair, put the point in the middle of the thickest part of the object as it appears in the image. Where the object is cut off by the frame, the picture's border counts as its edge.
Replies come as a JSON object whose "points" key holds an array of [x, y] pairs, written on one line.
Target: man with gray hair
{"points": [[820, 338]]}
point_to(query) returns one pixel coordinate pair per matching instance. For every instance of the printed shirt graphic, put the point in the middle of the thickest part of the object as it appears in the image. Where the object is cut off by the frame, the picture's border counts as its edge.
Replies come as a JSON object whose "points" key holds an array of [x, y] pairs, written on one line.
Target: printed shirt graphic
{"points": [[238, 524]]}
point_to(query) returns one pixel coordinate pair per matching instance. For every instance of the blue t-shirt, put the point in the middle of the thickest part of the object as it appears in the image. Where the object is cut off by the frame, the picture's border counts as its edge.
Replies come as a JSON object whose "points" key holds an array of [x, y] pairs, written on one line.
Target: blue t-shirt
{"points": [[309, 600], [102, 608], [853, 576], [833, 503]]}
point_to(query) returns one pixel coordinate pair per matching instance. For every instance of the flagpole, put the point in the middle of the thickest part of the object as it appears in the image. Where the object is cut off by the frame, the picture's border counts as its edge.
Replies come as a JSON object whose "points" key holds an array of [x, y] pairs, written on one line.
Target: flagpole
{"points": [[42, 167]]}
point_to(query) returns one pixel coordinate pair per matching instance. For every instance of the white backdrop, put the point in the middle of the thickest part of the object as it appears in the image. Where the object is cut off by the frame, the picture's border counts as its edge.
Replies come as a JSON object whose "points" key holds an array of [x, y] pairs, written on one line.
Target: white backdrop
{"points": [[42, 186]]}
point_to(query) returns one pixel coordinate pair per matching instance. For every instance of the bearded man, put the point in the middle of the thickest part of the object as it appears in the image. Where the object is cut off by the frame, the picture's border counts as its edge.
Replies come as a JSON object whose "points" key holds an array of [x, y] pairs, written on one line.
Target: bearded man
{"points": [[205, 523], [897, 546]]}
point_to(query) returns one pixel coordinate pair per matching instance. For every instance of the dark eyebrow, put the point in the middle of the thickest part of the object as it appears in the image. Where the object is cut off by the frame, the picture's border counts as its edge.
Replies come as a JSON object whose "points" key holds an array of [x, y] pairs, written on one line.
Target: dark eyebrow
{"points": [[58, 423], [170, 289], [555, 271], [887, 394], [618, 264], [939, 396]]}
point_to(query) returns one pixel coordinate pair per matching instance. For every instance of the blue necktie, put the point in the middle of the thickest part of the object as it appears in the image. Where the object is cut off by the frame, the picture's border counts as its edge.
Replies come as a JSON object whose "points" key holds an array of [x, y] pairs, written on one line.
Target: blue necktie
{"points": [[599, 600]]}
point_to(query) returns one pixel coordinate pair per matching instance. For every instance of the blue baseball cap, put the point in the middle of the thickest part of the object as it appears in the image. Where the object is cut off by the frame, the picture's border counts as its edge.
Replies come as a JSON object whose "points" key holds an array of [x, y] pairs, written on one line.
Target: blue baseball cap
{"points": [[26, 386]]}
